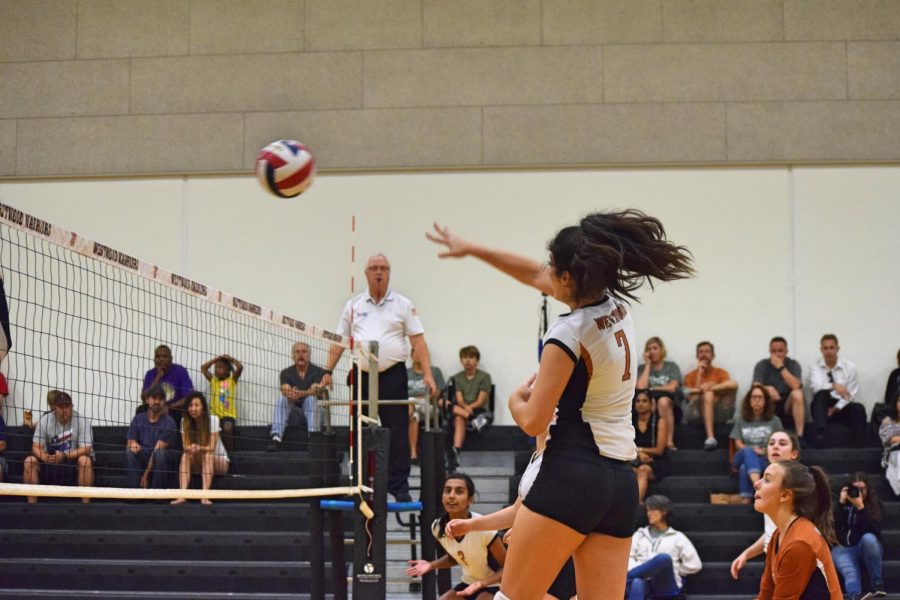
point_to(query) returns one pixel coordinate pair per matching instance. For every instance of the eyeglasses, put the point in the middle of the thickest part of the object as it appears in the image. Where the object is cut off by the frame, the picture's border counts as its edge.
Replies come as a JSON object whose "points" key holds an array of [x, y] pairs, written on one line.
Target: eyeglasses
{"points": [[377, 268]]}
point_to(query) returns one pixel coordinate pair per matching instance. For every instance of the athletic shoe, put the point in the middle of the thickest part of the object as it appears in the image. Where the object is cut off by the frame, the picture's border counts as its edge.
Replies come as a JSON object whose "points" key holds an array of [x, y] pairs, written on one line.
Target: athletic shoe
{"points": [[710, 444], [878, 590], [453, 460]]}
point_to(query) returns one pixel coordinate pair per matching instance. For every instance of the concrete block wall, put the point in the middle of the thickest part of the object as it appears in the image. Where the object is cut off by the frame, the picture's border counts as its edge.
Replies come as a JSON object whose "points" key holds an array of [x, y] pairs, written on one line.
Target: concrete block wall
{"points": [[118, 87]]}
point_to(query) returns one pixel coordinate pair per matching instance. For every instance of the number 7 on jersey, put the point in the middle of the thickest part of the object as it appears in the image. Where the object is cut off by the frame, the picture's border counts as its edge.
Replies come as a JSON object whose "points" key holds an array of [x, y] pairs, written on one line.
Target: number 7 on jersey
{"points": [[622, 340]]}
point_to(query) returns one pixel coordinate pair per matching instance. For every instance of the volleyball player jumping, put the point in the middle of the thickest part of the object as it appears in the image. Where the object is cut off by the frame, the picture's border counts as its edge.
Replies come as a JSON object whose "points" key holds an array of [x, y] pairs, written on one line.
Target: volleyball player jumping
{"points": [[584, 500]]}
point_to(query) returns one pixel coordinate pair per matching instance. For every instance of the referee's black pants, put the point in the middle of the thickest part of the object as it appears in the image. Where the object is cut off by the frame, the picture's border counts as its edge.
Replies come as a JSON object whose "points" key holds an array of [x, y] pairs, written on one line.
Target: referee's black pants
{"points": [[392, 384]]}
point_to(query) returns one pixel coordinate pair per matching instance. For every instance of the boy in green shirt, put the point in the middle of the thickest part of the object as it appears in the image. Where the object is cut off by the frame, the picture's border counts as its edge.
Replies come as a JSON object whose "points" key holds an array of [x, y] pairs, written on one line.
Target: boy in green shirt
{"points": [[473, 389]]}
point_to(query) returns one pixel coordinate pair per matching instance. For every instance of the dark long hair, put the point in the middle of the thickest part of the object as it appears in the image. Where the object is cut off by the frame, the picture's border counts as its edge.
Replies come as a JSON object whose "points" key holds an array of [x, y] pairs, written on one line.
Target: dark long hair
{"points": [[873, 504], [470, 487], [615, 253], [812, 495], [768, 409], [195, 432]]}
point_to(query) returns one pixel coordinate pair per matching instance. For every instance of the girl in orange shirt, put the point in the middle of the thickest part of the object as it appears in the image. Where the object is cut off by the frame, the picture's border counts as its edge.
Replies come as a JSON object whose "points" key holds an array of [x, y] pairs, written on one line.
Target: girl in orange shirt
{"points": [[798, 560]]}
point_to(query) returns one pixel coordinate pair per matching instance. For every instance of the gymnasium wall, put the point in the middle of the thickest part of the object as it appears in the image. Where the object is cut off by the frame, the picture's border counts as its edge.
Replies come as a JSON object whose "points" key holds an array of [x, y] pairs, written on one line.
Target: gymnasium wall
{"points": [[124, 87], [785, 251]]}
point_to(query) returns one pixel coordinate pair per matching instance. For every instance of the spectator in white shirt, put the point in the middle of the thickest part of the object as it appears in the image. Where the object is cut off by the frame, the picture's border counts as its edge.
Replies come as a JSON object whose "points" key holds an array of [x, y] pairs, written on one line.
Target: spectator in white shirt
{"points": [[835, 387]]}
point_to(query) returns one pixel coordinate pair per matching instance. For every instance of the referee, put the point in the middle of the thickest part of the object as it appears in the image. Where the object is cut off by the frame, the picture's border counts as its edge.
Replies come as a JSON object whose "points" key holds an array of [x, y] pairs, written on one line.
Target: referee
{"points": [[382, 315]]}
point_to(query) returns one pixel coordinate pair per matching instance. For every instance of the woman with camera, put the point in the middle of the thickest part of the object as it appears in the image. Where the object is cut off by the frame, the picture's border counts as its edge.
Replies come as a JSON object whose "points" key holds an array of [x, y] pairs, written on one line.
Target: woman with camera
{"points": [[857, 523]]}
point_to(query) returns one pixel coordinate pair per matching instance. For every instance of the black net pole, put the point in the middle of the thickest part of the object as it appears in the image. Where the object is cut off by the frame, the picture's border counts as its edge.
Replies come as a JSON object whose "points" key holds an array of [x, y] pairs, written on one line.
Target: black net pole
{"points": [[335, 519], [370, 535], [316, 518], [432, 474]]}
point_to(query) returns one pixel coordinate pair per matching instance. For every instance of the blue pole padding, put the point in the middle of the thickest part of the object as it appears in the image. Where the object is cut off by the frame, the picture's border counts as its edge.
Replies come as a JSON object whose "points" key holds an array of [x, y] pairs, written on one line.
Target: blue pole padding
{"points": [[348, 505]]}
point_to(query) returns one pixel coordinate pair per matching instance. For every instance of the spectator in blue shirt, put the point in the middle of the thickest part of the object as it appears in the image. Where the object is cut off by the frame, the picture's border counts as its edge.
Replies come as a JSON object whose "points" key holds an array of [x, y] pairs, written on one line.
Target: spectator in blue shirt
{"points": [[151, 435]]}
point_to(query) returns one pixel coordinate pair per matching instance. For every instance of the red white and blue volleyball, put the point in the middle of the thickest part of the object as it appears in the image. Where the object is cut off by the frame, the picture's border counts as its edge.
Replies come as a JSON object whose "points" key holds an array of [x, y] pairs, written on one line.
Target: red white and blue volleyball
{"points": [[285, 168]]}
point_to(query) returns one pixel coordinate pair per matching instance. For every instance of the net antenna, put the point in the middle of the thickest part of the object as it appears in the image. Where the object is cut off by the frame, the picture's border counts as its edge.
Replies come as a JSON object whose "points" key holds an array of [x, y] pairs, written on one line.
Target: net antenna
{"points": [[86, 319]]}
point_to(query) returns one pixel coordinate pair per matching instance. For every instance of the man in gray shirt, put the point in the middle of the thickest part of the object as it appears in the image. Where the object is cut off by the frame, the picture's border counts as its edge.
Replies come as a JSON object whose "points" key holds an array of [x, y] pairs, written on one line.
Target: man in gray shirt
{"points": [[62, 449], [782, 378]]}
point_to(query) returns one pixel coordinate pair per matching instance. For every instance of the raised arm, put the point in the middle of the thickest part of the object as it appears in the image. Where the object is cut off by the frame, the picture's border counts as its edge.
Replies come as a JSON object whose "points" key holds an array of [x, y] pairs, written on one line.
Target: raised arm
{"points": [[521, 268], [238, 366], [204, 368]]}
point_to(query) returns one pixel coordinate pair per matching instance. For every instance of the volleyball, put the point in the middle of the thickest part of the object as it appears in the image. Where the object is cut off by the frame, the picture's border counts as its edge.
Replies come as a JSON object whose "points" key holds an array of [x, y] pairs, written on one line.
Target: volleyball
{"points": [[285, 168]]}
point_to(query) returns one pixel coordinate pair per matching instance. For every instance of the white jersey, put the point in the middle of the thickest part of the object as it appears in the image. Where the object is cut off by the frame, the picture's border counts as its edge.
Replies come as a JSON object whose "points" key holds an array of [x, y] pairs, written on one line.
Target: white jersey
{"points": [[599, 339], [389, 323], [534, 465], [471, 553], [769, 528]]}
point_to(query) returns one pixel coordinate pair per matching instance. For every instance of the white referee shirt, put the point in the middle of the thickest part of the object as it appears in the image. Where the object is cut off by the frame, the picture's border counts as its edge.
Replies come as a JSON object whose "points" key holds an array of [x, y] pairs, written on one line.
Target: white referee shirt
{"points": [[388, 322]]}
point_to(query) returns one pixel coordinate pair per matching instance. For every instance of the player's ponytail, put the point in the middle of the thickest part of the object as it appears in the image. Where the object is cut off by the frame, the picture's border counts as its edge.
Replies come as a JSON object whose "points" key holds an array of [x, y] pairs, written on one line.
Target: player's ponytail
{"points": [[616, 253], [812, 495]]}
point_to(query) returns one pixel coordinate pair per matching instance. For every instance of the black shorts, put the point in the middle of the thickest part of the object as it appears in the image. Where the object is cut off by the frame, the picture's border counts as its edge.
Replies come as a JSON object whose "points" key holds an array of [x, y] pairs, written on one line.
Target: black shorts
{"points": [[64, 473], [677, 412], [586, 491], [488, 590], [563, 587]]}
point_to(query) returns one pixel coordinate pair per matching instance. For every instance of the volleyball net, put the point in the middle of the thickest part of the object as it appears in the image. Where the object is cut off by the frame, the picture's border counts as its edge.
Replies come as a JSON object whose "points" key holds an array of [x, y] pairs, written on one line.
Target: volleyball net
{"points": [[88, 320]]}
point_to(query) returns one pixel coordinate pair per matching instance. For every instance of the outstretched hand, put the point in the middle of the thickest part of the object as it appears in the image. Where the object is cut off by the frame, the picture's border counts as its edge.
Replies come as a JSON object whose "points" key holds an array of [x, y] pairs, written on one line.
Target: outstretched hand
{"points": [[417, 568], [457, 247]]}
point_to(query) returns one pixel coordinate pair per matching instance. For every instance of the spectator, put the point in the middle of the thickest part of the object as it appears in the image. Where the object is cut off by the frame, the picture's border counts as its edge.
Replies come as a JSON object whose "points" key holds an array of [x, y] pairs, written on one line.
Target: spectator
{"points": [[223, 392], [798, 562], [835, 387], [381, 314], [415, 386], [652, 462], [149, 449], [173, 378], [62, 448], [782, 445], [660, 555], [663, 379], [889, 432], [857, 523], [782, 378], [709, 389], [203, 449], [473, 389], [300, 386], [751, 432], [892, 391], [472, 551], [29, 422]]}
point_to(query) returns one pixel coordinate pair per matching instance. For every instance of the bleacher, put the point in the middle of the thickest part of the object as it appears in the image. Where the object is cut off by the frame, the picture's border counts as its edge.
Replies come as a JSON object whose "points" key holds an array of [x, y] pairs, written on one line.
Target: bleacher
{"points": [[260, 550], [252, 550]]}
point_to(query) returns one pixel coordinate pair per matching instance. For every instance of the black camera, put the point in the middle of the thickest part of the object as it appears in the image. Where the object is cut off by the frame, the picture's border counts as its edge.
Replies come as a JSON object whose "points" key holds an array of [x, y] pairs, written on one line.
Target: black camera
{"points": [[852, 491]]}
